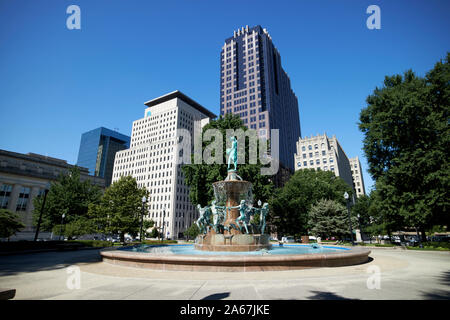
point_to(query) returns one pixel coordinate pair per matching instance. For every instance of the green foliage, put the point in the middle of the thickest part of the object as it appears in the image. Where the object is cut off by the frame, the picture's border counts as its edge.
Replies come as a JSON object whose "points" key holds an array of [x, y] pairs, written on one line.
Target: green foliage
{"points": [[193, 231], [290, 205], [154, 233], [199, 177], [9, 223], [120, 208], [329, 218], [147, 224], [77, 227], [406, 142], [67, 195], [439, 246]]}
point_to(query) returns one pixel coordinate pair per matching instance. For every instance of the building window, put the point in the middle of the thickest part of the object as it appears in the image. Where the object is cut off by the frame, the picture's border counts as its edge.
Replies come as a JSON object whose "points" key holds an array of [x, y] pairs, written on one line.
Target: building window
{"points": [[310, 147], [303, 148], [5, 194], [299, 164], [22, 201]]}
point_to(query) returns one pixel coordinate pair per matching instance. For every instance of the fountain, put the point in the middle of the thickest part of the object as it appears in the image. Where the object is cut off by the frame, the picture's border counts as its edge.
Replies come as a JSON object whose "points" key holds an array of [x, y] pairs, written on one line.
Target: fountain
{"points": [[229, 241], [231, 211]]}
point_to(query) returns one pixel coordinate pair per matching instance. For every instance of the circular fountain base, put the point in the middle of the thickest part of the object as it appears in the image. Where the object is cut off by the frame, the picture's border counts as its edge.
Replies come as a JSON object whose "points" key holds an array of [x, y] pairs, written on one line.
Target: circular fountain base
{"points": [[230, 263], [236, 242]]}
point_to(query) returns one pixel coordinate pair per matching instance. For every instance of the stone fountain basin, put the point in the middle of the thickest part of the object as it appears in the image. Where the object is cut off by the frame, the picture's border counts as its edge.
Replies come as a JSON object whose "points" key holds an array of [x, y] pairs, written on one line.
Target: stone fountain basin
{"points": [[229, 263]]}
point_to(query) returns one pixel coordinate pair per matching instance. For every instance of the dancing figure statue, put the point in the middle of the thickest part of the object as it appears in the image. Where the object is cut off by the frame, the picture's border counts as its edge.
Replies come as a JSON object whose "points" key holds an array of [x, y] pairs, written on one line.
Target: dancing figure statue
{"points": [[218, 217], [244, 217], [262, 217], [232, 158], [203, 220]]}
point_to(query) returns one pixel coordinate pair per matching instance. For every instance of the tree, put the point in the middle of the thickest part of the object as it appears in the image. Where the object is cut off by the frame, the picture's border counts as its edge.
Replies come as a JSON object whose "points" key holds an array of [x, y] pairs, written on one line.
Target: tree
{"points": [[120, 208], [200, 177], [329, 218], [155, 233], [290, 205], [9, 223], [361, 211], [193, 231], [406, 142], [67, 195], [82, 225], [147, 224]]}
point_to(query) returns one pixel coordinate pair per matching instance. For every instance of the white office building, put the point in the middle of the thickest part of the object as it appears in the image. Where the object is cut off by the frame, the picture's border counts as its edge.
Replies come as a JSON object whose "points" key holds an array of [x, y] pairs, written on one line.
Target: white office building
{"points": [[358, 181], [323, 153], [152, 156]]}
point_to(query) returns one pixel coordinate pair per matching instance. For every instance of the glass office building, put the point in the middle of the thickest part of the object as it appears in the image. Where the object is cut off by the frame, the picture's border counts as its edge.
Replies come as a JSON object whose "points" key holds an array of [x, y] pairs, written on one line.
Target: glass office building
{"points": [[98, 148]]}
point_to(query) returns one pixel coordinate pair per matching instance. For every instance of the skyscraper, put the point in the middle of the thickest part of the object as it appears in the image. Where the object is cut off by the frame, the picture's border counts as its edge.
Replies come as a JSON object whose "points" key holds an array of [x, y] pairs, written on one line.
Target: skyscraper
{"points": [[323, 153], [254, 86], [151, 159], [98, 148], [357, 173]]}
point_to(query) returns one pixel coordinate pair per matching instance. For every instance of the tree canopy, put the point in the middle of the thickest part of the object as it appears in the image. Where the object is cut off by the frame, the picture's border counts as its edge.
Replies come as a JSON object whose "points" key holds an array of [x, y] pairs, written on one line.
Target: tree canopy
{"points": [[330, 218], [120, 208], [9, 223], [69, 196], [407, 142], [290, 205], [200, 177]]}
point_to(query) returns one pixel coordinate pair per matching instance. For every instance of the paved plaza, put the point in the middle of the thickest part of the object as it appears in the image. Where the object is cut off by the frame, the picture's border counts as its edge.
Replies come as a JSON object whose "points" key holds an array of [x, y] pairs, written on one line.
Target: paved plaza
{"points": [[403, 274]]}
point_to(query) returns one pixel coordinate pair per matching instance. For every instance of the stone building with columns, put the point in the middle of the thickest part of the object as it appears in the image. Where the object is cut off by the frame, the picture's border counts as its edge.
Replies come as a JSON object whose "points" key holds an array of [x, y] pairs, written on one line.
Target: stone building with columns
{"points": [[24, 177]]}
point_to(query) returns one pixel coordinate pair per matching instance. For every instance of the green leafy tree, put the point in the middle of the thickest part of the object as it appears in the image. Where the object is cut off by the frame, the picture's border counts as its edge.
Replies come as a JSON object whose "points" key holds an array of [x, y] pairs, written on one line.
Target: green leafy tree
{"points": [[361, 211], [120, 208], [147, 224], [193, 231], [82, 225], [9, 223], [330, 218], [406, 142], [155, 233], [290, 205], [200, 177], [67, 195]]}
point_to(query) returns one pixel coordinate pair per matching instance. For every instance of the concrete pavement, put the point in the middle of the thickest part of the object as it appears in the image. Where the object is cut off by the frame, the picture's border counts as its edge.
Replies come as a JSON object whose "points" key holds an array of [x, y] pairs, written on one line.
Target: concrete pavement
{"points": [[402, 275]]}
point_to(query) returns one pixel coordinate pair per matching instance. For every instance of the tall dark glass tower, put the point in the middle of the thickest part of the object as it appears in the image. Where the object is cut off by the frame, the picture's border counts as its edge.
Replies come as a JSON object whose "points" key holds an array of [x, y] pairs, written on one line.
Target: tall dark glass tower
{"points": [[254, 86], [98, 149]]}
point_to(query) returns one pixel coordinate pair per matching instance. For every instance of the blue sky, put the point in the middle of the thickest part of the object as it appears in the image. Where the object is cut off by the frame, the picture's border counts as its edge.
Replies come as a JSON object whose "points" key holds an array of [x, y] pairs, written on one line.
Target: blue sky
{"points": [[57, 83]]}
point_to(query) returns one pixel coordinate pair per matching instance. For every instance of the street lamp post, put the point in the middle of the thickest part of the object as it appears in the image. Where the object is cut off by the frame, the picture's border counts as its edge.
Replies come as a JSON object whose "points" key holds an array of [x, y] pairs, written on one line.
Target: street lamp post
{"points": [[60, 228], [349, 219], [144, 199], [47, 188], [163, 222]]}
